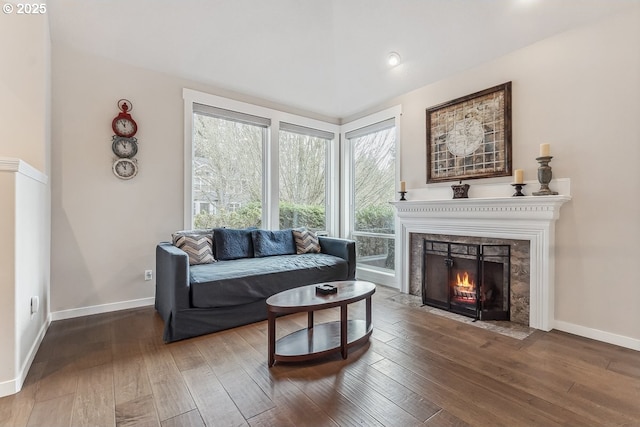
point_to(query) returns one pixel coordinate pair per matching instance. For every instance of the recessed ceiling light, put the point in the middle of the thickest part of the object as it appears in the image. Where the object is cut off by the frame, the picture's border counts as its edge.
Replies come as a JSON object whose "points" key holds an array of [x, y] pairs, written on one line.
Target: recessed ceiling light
{"points": [[393, 59]]}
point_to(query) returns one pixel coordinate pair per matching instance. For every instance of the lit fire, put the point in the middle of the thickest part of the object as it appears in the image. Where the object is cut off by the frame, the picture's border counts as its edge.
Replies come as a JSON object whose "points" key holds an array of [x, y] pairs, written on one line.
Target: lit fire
{"points": [[465, 283], [464, 287]]}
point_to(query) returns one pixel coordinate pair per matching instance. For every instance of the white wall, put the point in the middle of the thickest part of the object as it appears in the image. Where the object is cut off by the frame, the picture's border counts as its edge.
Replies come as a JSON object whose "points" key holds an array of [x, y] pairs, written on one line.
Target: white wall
{"points": [[24, 191], [577, 91], [24, 269], [24, 88], [105, 230], [7, 284], [580, 92]]}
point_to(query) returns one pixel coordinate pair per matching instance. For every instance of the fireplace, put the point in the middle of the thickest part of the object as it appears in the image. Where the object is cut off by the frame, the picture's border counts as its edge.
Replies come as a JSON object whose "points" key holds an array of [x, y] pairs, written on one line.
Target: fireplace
{"points": [[468, 279], [525, 223]]}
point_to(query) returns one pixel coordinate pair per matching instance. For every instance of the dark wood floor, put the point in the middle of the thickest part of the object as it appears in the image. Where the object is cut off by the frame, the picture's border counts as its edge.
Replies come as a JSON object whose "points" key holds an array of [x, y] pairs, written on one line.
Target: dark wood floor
{"points": [[418, 369]]}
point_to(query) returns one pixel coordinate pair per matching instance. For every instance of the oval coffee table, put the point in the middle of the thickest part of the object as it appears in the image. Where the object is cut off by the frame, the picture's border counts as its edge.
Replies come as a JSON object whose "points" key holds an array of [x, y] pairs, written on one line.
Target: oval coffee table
{"points": [[324, 338]]}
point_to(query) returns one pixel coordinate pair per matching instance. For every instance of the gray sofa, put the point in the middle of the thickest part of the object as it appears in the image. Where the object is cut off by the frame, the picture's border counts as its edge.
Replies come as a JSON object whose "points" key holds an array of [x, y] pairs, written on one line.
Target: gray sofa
{"points": [[199, 299]]}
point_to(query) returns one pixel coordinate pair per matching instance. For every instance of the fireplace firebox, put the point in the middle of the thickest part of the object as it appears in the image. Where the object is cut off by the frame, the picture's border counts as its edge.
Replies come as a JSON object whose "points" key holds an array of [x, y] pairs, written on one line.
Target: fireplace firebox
{"points": [[468, 279]]}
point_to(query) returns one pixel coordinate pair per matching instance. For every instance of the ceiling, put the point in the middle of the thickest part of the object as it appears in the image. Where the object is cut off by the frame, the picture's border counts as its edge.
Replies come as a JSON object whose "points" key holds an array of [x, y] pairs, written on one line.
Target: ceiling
{"points": [[322, 56]]}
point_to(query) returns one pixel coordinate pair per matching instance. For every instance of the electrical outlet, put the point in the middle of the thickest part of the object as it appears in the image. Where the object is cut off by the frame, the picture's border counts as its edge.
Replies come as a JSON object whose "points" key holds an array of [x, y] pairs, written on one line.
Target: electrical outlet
{"points": [[35, 305], [148, 274]]}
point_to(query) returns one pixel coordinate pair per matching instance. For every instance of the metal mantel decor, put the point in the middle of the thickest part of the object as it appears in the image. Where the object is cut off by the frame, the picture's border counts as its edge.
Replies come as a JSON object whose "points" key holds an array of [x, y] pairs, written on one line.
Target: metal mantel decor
{"points": [[470, 137], [460, 191]]}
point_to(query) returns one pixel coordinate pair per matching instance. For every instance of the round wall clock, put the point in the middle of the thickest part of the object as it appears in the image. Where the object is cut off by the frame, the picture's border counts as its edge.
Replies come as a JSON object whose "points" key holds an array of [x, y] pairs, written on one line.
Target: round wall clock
{"points": [[125, 168], [123, 124], [124, 147]]}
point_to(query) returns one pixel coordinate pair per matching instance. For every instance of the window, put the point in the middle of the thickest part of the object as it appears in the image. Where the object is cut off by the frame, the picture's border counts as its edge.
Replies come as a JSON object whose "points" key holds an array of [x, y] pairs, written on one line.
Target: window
{"points": [[227, 167], [371, 174], [304, 156], [247, 165]]}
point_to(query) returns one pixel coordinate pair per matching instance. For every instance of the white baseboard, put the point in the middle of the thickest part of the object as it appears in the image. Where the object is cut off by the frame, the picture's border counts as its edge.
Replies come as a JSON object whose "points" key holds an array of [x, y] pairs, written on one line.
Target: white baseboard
{"points": [[15, 385], [596, 334], [9, 387], [103, 308]]}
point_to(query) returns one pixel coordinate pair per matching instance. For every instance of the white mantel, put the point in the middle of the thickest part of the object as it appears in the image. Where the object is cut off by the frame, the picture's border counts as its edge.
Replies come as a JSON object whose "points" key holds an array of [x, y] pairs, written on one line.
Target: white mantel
{"points": [[522, 218]]}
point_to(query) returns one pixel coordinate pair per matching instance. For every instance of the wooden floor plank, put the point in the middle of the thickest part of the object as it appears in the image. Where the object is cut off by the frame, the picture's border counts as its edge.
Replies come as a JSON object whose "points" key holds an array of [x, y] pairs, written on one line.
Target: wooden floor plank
{"points": [[169, 390], [497, 375], [15, 409], [247, 395], [140, 412], [186, 355], [52, 412], [278, 416], [57, 383], [291, 404], [414, 404], [130, 377], [188, 419], [445, 419], [418, 368], [216, 406], [455, 403], [245, 392], [326, 393], [94, 399]]}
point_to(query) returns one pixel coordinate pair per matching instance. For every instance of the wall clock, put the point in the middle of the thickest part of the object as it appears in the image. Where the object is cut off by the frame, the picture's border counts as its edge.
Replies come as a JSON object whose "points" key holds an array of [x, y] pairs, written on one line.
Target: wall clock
{"points": [[123, 143], [124, 147], [125, 168], [123, 124]]}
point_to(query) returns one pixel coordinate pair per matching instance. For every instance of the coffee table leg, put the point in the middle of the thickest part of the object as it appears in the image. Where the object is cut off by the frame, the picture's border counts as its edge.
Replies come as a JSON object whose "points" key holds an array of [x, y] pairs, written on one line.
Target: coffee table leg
{"points": [[343, 330], [271, 330], [368, 312], [310, 320]]}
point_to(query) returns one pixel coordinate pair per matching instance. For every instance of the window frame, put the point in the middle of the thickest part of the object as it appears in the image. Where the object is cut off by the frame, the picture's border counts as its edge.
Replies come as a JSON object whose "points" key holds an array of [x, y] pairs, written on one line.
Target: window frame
{"points": [[270, 157], [348, 196]]}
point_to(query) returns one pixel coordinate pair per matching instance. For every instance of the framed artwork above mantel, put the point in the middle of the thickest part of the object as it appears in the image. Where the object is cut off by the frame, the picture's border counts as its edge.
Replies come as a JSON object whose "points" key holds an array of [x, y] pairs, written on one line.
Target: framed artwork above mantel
{"points": [[470, 137]]}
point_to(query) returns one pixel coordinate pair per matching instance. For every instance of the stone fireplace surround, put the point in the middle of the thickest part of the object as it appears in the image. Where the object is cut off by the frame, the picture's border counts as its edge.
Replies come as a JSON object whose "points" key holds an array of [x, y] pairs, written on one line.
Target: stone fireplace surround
{"points": [[520, 258], [527, 218]]}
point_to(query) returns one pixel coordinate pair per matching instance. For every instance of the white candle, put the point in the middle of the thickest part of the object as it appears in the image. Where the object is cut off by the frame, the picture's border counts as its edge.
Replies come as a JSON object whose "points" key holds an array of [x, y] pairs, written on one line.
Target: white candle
{"points": [[518, 176], [545, 149], [403, 186]]}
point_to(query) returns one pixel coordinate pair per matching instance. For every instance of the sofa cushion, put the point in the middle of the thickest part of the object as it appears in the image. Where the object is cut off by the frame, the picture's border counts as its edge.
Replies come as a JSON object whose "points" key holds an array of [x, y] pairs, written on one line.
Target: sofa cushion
{"points": [[197, 244], [270, 243], [306, 241], [228, 283], [231, 243]]}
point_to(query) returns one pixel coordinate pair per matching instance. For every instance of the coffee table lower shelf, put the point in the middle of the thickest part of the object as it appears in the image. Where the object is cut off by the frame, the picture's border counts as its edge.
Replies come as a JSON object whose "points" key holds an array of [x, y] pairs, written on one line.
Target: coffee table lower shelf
{"points": [[322, 339]]}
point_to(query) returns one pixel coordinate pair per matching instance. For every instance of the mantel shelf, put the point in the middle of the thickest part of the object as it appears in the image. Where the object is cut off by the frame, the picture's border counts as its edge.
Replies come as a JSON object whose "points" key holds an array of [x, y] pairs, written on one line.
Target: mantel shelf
{"points": [[530, 207]]}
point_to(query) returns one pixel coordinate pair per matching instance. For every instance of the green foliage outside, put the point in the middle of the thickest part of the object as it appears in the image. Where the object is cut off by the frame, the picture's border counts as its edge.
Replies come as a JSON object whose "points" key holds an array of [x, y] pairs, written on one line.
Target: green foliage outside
{"points": [[375, 219], [246, 216], [291, 216], [294, 215]]}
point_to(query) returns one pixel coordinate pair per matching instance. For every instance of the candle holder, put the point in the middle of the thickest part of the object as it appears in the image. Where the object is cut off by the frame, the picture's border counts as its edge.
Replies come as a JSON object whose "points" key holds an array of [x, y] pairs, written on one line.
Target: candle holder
{"points": [[544, 177], [402, 193], [518, 188]]}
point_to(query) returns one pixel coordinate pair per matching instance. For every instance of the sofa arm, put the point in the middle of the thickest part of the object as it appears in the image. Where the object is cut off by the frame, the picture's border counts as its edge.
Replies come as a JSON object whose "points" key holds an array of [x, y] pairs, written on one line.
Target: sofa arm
{"points": [[342, 248], [172, 279]]}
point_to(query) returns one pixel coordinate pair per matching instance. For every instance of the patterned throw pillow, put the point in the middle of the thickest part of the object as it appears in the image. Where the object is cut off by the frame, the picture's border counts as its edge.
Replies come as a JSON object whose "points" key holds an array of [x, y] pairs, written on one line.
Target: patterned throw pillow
{"points": [[306, 241], [198, 244]]}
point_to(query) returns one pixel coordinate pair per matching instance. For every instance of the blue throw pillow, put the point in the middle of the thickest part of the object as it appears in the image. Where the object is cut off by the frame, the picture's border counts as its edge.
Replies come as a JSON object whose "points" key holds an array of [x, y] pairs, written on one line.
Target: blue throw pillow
{"points": [[230, 243], [270, 243]]}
